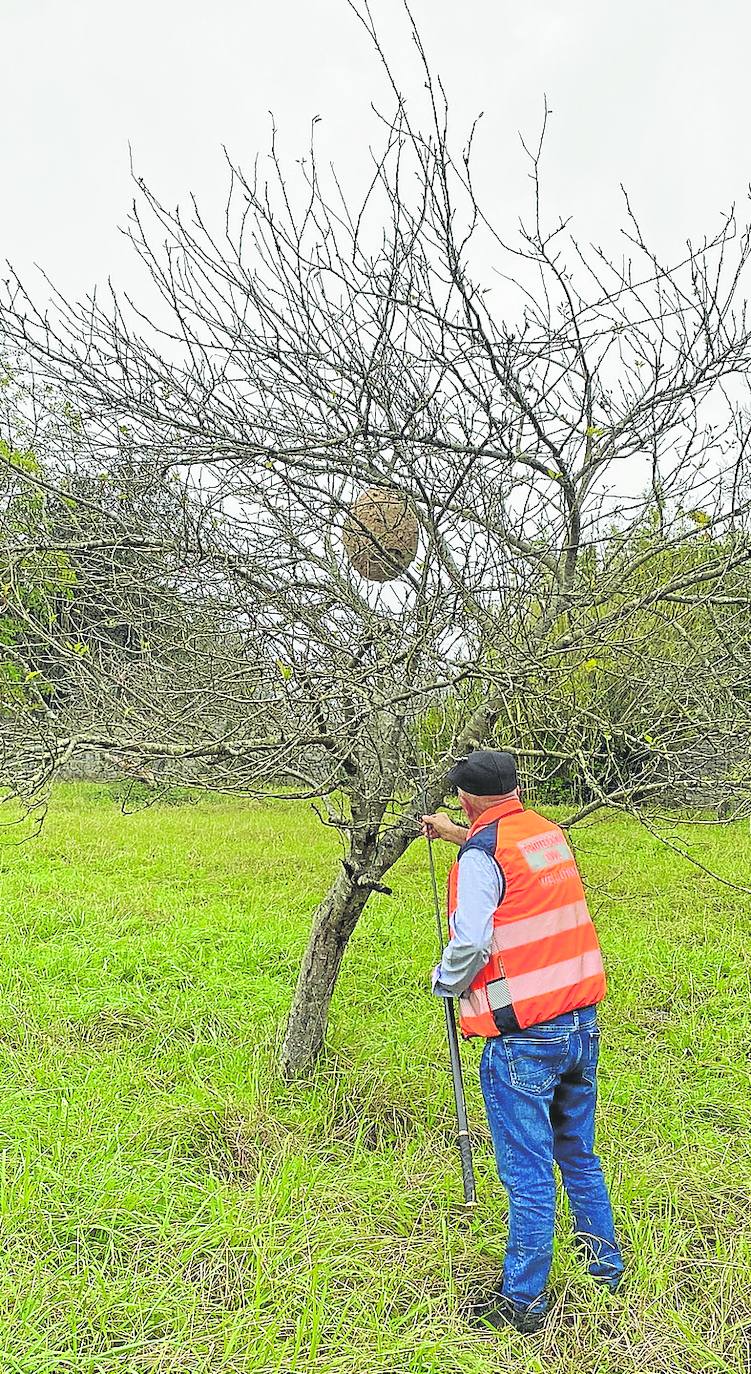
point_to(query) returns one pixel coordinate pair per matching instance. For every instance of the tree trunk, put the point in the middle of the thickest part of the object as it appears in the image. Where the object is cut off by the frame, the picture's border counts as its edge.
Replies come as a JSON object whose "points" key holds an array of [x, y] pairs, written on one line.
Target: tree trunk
{"points": [[370, 857], [334, 922]]}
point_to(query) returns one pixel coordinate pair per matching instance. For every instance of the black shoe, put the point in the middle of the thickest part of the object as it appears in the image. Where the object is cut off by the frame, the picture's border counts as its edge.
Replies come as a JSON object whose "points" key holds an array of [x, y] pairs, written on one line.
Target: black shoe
{"points": [[497, 1310]]}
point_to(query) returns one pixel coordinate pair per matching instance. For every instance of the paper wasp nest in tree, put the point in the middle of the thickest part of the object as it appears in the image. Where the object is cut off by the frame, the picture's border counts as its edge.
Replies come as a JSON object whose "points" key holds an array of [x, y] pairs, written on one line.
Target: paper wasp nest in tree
{"points": [[380, 534]]}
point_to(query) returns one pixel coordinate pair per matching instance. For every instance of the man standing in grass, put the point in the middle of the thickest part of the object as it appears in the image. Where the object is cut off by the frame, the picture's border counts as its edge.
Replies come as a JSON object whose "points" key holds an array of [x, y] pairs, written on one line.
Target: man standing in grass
{"points": [[525, 964]]}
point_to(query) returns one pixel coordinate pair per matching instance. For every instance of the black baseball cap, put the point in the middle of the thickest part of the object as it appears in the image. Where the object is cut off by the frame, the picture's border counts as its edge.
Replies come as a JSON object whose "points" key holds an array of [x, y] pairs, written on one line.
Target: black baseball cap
{"points": [[485, 773]]}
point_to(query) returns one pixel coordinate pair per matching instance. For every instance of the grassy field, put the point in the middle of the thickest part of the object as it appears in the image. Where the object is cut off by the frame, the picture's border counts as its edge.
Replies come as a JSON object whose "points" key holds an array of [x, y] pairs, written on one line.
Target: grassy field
{"points": [[167, 1205]]}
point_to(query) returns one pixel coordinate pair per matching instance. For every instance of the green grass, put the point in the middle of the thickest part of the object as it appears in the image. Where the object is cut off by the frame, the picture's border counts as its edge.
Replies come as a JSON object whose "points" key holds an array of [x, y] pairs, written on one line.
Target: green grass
{"points": [[167, 1205]]}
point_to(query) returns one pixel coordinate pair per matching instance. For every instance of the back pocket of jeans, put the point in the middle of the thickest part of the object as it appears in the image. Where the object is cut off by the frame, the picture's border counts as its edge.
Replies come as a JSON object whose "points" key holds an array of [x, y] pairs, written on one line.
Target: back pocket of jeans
{"points": [[535, 1065]]}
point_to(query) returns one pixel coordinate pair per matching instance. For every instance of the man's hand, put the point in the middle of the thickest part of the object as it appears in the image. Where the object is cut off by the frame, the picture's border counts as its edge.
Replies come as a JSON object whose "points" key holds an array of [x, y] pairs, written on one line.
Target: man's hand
{"points": [[441, 827]]}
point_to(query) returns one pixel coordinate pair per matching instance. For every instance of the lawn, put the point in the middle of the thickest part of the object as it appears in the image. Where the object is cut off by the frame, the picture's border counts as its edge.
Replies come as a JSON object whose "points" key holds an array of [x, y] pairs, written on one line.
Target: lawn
{"points": [[168, 1205]]}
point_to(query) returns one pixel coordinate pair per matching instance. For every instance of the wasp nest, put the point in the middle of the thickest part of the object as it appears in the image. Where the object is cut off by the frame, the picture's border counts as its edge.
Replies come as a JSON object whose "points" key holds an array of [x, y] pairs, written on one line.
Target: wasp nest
{"points": [[380, 534]]}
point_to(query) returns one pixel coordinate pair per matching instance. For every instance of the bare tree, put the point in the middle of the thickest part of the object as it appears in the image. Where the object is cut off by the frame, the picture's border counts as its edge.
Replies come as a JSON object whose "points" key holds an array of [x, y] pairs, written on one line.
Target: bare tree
{"points": [[575, 445]]}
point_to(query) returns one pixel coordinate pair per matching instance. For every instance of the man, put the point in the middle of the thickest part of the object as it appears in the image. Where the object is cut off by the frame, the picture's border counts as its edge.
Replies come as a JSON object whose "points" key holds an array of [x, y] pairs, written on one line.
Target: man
{"points": [[525, 963]]}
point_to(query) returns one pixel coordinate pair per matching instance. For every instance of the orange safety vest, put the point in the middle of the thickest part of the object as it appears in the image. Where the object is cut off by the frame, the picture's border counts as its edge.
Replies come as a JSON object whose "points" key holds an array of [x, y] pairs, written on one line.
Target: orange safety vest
{"points": [[545, 956]]}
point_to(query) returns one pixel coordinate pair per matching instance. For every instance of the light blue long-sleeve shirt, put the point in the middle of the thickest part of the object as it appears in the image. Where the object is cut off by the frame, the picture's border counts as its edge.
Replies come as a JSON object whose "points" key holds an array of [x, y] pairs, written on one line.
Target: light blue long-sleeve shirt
{"points": [[478, 896]]}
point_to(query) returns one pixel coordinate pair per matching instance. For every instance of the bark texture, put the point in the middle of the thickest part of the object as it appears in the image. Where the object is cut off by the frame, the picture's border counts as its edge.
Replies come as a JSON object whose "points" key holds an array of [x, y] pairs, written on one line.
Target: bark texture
{"points": [[334, 922]]}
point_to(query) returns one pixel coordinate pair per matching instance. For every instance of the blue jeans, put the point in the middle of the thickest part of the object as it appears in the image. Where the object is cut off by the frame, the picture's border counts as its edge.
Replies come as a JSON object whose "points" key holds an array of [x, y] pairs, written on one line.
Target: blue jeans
{"points": [[540, 1090]]}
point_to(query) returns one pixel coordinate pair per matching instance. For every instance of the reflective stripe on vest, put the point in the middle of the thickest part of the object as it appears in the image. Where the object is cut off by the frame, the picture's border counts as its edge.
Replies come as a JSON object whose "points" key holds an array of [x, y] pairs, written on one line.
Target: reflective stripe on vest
{"points": [[545, 956]]}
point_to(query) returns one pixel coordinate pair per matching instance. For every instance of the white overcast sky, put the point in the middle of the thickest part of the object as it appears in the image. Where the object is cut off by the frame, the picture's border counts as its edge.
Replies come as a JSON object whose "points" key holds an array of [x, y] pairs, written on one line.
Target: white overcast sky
{"points": [[652, 93]]}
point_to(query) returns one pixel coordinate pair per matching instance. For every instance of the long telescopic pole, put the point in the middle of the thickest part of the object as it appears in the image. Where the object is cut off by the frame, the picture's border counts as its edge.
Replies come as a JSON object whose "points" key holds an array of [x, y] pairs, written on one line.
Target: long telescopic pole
{"points": [[465, 1149]]}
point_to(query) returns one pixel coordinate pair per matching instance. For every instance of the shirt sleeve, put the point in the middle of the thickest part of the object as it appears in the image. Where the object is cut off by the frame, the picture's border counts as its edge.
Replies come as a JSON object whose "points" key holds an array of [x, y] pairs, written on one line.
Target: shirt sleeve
{"points": [[478, 897]]}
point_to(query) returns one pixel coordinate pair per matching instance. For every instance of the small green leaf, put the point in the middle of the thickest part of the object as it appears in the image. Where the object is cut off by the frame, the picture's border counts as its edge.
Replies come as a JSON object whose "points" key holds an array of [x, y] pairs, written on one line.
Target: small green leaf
{"points": [[699, 518]]}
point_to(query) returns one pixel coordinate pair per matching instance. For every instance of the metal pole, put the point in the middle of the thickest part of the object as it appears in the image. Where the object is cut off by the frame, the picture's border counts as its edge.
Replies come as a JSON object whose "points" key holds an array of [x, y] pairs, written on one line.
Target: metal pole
{"points": [[465, 1148]]}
